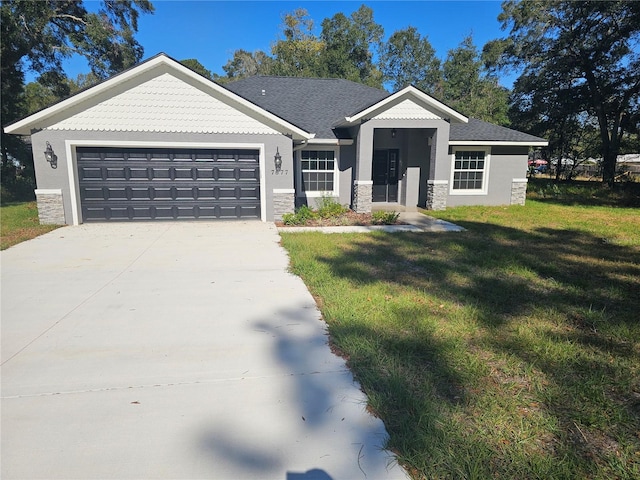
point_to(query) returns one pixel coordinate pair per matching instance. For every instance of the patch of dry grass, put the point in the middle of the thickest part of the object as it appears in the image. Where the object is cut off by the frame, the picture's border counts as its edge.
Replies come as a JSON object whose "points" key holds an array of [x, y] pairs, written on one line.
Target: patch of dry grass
{"points": [[19, 222]]}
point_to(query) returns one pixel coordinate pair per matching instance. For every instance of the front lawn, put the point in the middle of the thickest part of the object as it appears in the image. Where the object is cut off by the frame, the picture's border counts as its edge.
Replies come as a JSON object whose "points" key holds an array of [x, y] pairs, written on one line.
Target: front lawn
{"points": [[510, 350], [19, 222]]}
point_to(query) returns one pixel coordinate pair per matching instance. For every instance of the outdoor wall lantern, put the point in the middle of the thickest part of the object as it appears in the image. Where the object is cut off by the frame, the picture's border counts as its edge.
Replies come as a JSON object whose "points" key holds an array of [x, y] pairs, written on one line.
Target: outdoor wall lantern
{"points": [[50, 156], [393, 133], [277, 160]]}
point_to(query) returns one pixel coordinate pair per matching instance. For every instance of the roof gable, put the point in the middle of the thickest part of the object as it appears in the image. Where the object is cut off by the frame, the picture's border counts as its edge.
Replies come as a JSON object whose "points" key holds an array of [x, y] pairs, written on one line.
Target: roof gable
{"points": [[168, 89], [398, 101], [407, 109], [164, 103]]}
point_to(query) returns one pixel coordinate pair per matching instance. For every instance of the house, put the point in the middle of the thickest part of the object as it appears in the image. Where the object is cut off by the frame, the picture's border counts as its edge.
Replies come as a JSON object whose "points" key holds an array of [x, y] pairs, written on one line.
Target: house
{"points": [[159, 141]]}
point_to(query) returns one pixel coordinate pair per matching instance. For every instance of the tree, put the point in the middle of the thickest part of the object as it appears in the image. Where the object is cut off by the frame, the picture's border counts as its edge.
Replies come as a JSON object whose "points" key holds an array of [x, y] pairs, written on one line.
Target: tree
{"points": [[347, 43], [409, 59], [246, 64], [197, 67], [299, 53], [470, 88], [591, 50], [38, 36]]}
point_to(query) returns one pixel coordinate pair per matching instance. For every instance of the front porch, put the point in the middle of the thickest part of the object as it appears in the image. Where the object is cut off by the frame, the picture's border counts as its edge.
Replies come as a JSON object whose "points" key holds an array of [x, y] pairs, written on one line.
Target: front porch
{"points": [[401, 158]]}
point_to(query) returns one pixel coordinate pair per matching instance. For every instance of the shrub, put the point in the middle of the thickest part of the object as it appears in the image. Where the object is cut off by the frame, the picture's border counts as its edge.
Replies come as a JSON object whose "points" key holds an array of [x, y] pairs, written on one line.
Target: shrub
{"points": [[301, 217], [384, 218], [328, 207]]}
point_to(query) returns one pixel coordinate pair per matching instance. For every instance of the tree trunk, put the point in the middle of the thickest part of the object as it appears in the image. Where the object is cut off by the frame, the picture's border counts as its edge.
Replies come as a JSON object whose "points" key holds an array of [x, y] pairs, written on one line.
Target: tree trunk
{"points": [[609, 168]]}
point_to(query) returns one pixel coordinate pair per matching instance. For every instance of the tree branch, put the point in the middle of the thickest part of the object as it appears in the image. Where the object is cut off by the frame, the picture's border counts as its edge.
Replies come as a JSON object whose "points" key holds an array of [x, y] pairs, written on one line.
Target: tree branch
{"points": [[71, 17]]}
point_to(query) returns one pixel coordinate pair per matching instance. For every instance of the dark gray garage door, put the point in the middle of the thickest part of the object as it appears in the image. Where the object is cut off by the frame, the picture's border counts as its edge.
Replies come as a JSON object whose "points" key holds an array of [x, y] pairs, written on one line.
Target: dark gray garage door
{"points": [[154, 183]]}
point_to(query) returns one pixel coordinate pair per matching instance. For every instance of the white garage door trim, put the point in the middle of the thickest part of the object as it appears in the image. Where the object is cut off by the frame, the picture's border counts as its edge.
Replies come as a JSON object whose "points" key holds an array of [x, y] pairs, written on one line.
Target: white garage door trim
{"points": [[72, 164]]}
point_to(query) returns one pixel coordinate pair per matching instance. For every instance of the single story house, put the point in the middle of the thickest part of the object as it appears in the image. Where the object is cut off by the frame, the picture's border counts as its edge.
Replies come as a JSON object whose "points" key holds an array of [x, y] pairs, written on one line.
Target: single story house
{"points": [[160, 141]]}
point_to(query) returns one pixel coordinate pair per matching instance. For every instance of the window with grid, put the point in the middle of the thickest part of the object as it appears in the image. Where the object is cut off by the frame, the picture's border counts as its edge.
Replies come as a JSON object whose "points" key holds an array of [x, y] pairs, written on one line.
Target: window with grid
{"points": [[317, 168], [469, 170]]}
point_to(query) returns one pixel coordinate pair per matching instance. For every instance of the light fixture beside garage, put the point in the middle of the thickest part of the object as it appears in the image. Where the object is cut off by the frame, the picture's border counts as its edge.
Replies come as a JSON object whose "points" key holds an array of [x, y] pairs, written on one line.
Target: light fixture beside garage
{"points": [[50, 156], [277, 160], [393, 133]]}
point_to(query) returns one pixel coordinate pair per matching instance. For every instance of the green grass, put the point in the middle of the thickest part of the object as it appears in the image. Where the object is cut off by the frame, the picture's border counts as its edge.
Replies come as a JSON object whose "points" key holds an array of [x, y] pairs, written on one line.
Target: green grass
{"points": [[19, 222], [510, 350]]}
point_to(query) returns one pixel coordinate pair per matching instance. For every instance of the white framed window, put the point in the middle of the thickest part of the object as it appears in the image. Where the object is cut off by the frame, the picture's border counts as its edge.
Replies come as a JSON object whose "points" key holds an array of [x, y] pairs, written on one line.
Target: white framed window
{"points": [[318, 171], [470, 171]]}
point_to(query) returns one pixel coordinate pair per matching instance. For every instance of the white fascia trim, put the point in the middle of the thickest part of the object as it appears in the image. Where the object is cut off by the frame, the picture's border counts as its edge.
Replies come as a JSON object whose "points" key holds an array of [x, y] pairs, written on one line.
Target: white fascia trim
{"points": [[48, 191], [520, 180], [284, 190], [72, 164], [24, 126], [481, 143], [437, 182], [330, 141], [408, 91]]}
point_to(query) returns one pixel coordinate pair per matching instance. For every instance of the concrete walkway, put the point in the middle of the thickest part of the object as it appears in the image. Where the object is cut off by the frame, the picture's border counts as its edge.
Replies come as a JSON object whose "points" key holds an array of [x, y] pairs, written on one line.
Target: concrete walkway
{"points": [[173, 350], [414, 222]]}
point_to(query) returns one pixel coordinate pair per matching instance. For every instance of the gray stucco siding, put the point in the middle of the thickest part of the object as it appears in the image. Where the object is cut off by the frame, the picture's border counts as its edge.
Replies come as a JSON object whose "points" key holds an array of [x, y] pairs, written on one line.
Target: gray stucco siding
{"points": [[48, 178], [506, 164]]}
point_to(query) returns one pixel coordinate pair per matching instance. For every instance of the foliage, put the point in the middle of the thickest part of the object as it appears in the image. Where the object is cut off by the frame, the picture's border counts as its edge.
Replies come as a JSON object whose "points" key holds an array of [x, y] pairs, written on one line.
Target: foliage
{"points": [[343, 50], [470, 88], [382, 217], [328, 207], [19, 222], [347, 43], [298, 54], [584, 56], [246, 64], [409, 59], [486, 353], [197, 67], [300, 217]]}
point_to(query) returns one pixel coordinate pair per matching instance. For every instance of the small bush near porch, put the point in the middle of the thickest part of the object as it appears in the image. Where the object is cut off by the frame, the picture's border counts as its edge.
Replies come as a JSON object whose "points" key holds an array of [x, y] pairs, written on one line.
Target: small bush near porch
{"points": [[510, 350]]}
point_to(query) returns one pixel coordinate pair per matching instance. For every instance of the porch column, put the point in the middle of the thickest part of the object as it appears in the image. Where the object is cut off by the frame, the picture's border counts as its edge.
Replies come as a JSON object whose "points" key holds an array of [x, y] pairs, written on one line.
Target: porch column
{"points": [[362, 184], [440, 169]]}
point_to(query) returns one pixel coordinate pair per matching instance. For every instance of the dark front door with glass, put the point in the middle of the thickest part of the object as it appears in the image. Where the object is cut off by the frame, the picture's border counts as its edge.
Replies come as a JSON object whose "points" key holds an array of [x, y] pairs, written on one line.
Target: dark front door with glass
{"points": [[385, 175]]}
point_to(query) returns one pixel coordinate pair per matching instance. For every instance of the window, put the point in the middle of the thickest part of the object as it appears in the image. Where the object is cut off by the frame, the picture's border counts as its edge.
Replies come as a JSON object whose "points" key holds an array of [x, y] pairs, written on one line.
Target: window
{"points": [[318, 170], [469, 171]]}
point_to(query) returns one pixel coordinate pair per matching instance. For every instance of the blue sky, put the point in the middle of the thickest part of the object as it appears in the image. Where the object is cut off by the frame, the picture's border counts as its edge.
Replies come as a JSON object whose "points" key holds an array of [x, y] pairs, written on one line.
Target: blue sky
{"points": [[210, 31]]}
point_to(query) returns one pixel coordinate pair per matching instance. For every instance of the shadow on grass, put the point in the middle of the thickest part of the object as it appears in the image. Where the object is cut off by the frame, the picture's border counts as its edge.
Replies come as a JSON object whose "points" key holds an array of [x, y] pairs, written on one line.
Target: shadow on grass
{"points": [[575, 298]]}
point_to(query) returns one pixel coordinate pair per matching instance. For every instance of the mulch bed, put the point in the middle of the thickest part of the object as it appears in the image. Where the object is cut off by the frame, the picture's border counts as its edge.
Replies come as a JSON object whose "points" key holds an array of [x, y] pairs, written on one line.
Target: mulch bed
{"points": [[346, 219]]}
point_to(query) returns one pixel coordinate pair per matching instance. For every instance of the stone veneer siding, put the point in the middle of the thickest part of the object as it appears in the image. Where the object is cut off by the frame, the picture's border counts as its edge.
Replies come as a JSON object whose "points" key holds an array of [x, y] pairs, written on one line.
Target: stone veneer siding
{"points": [[283, 202], [518, 191], [50, 207], [437, 195], [362, 196]]}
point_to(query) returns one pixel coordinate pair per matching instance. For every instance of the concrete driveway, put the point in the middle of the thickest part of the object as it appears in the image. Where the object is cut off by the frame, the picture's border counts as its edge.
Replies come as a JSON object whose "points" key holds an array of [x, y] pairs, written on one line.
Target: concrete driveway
{"points": [[173, 350]]}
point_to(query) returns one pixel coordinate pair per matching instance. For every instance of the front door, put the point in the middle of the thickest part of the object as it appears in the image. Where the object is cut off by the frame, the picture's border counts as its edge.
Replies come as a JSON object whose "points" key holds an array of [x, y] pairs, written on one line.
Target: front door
{"points": [[385, 175]]}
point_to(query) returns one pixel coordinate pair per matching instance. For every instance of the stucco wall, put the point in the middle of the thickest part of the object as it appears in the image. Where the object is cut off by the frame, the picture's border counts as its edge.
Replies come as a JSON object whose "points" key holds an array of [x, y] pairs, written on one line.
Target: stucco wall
{"points": [[62, 142], [506, 163]]}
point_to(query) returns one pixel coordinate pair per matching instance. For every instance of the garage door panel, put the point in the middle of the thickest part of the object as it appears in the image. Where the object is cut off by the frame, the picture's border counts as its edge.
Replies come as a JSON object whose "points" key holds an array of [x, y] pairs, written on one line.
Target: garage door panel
{"points": [[147, 184]]}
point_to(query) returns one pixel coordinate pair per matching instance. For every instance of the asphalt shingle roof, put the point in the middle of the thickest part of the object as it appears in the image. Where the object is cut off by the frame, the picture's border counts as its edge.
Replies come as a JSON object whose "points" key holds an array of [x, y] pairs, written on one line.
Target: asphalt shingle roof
{"points": [[313, 104], [479, 130], [316, 104]]}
